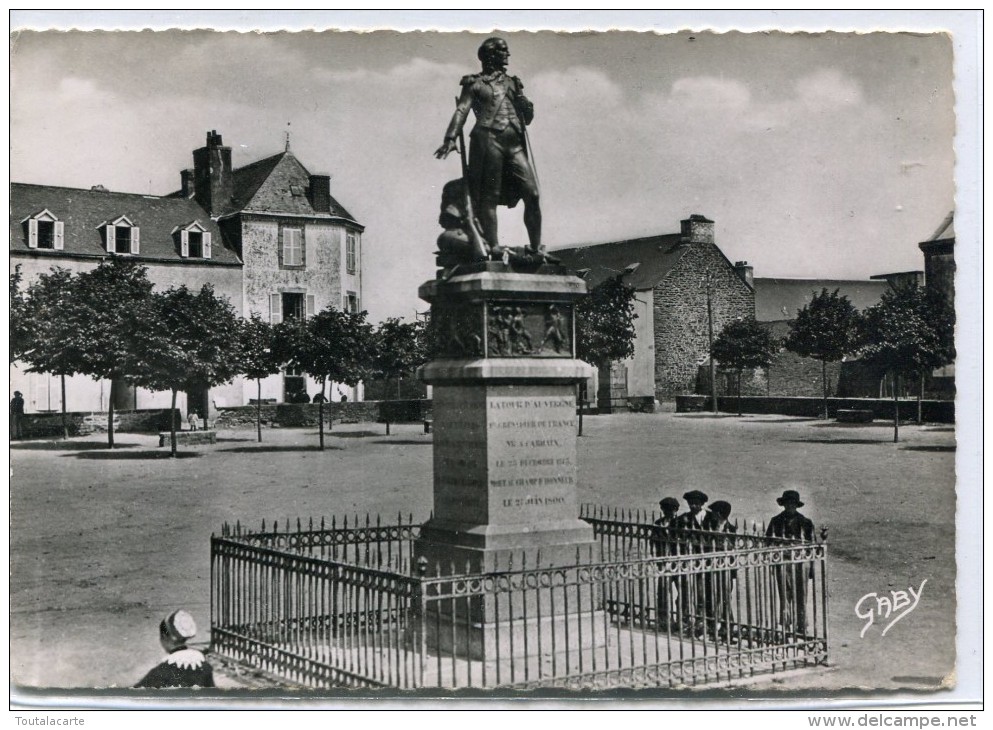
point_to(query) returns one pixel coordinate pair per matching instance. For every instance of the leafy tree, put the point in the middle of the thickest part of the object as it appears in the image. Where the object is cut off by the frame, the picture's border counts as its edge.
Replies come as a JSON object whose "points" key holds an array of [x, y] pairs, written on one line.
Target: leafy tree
{"points": [[57, 347], [605, 326], [605, 323], [911, 331], [826, 329], [743, 343], [21, 321], [332, 345], [192, 342], [115, 310], [399, 347], [259, 356]]}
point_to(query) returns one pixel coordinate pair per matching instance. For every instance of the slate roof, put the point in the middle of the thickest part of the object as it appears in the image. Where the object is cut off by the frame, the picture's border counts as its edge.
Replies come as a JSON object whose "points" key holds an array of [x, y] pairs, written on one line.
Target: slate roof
{"points": [[780, 299], [655, 255], [278, 184], [83, 211]]}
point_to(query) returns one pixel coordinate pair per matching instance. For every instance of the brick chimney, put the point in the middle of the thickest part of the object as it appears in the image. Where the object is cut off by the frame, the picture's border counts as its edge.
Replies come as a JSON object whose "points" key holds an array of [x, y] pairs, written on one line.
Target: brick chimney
{"points": [[696, 229], [320, 193], [745, 272], [186, 176], [213, 181]]}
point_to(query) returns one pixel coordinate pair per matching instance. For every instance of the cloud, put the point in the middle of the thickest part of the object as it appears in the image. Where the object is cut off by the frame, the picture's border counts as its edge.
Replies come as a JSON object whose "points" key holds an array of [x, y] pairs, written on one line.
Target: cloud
{"points": [[703, 93], [828, 88]]}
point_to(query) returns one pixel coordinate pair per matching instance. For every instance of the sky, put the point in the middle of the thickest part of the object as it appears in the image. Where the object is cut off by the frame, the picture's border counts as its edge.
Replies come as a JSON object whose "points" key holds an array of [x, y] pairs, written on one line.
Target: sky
{"points": [[817, 155]]}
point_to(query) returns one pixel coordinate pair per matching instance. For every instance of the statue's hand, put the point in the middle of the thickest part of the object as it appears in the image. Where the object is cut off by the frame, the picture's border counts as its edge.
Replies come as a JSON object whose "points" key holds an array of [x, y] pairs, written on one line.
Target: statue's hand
{"points": [[442, 152]]}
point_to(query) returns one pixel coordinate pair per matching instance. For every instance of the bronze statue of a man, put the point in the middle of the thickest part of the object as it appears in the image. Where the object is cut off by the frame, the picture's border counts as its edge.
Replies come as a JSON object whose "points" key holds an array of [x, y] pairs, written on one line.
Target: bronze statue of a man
{"points": [[500, 171]]}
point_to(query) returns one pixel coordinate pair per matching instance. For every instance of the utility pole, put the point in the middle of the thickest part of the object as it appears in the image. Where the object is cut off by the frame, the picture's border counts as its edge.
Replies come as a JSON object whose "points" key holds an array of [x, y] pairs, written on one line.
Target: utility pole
{"points": [[709, 284]]}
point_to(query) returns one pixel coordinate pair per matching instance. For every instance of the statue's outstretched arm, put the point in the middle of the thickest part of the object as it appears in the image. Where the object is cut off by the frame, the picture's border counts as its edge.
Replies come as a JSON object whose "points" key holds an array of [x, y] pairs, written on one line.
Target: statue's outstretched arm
{"points": [[462, 107]]}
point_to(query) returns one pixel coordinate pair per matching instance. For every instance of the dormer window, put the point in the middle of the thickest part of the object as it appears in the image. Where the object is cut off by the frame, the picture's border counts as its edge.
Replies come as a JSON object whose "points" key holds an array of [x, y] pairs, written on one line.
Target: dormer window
{"points": [[121, 236], [194, 240], [45, 231]]}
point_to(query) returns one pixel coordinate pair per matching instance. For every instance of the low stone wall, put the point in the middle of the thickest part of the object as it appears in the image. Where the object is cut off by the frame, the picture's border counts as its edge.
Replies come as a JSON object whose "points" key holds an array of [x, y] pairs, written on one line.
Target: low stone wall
{"points": [[934, 411], [81, 423], [305, 415], [188, 438]]}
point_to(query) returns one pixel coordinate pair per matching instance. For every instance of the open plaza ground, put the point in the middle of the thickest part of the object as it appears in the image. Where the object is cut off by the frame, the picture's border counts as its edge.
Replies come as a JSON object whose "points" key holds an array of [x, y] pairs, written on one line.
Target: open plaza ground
{"points": [[104, 543]]}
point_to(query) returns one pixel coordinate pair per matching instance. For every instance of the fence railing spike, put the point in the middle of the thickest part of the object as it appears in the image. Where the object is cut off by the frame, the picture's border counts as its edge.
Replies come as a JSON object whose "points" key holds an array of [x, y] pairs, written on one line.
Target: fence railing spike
{"points": [[298, 525], [263, 524]]}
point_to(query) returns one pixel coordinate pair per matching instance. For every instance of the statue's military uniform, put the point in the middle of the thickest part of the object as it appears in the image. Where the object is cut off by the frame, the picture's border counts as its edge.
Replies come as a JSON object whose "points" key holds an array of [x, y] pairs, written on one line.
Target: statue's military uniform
{"points": [[499, 168]]}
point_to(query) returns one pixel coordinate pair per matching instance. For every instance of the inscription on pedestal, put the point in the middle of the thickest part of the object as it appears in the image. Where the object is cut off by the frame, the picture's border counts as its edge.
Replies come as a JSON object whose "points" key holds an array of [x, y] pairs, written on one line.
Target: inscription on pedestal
{"points": [[532, 454], [505, 454]]}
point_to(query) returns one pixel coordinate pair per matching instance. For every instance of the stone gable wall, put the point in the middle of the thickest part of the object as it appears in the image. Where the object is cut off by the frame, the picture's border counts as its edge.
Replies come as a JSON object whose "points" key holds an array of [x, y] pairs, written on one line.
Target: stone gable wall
{"points": [[680, 313]]}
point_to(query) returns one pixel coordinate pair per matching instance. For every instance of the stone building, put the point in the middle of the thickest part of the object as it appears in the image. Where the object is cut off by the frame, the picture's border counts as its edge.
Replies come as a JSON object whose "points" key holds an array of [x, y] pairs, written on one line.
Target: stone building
{"points": [[268, 236], [673, 276]]}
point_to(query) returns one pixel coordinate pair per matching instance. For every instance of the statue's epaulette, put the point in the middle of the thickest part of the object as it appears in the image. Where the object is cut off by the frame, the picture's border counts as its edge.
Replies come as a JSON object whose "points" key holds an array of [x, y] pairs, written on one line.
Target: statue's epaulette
{"points": [[470, 79], [518, 84]]}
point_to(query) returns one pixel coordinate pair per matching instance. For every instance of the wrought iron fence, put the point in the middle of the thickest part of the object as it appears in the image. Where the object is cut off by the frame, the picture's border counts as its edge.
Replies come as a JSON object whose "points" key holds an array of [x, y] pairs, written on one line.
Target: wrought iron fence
{"points": [[349, 605]]}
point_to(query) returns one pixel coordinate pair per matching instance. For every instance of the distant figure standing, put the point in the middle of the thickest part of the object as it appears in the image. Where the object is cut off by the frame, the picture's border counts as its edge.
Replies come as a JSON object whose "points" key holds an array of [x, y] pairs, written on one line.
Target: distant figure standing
{"points": [[319, 398], [16, 415], [183, 667], [791, 580], [344, 397], [194, 421]]}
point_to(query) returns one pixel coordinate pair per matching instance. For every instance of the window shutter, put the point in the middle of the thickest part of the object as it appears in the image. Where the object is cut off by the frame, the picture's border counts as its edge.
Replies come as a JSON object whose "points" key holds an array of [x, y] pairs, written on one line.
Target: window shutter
{"points": [[59, 235], [32, 233], [310, 305], [184, 243], [109, 230], [275, 308], [135, 240], [205, 238]]}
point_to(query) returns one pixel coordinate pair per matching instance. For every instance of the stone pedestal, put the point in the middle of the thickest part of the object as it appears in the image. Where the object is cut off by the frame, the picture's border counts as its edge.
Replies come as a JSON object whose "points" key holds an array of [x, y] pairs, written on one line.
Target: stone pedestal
{"points": [[504, 410]]}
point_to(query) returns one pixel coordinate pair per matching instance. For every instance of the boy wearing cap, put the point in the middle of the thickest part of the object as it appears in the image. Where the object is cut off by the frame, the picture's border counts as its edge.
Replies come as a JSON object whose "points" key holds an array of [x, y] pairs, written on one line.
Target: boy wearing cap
{"points": [[693, 520], [719, 583], [662, 545], [183, 667], [691, 587], [791, 581]]}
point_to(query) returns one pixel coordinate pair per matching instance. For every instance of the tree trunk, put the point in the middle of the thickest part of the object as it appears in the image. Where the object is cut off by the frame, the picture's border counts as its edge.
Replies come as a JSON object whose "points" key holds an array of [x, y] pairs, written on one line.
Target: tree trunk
{"points": [[258, 408], [65, 423], [320, 413], [824, 383], [172, 427], [739, 392], [920, 401], [398, 387], [110, 417], [896, 408]]}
